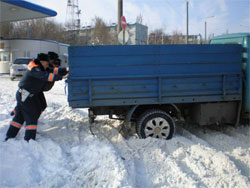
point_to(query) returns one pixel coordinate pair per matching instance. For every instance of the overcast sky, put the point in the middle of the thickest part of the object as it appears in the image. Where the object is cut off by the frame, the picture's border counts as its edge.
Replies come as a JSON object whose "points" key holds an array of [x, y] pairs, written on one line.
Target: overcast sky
{"points": [[221, 15]]}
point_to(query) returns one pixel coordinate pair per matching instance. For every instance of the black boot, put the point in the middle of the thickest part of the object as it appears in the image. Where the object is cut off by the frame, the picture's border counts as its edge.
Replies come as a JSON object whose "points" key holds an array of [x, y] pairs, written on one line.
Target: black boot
{"points": [[30, 134], [12, 132]]}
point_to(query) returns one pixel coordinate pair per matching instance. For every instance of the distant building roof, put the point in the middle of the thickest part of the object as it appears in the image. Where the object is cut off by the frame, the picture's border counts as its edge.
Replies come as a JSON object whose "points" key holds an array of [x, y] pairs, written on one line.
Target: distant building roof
{"points": [[16, 10]]}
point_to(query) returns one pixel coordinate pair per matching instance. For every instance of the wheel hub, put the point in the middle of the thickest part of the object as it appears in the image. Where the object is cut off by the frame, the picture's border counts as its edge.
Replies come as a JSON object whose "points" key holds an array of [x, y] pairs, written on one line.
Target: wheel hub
{"points": [[157, 127], [157, 130]]}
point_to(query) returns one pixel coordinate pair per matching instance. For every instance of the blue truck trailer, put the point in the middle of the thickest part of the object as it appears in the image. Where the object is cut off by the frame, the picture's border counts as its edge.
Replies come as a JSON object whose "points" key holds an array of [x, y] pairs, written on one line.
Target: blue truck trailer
{"points": [[153, 86]]}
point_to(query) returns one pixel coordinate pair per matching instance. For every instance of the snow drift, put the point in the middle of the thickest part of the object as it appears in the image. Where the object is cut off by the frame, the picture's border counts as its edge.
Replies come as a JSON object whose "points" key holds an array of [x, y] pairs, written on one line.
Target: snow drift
{"points": [[66, 154]]}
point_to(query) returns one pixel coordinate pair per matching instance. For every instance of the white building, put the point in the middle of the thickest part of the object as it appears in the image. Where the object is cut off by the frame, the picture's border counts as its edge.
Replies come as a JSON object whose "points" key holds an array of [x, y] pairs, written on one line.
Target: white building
{"points": [[137, 33], [10, 49]]}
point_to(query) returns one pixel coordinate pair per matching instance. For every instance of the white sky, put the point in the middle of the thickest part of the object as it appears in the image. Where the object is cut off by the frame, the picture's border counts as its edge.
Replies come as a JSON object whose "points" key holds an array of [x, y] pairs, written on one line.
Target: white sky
{"points": [[229, 15]]}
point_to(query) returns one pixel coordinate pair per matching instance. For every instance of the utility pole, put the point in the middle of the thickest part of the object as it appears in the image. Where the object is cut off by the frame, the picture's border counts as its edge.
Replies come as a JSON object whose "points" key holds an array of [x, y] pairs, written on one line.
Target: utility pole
{"points": [[205, 31], [187, 25], [120, 14], [206, 27]]}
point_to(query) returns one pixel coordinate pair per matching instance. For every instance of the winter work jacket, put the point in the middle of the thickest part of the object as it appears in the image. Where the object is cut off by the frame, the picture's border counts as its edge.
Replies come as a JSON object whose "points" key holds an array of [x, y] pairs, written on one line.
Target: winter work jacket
{"points": [[60, 71], [49, 85], [36, 78]]}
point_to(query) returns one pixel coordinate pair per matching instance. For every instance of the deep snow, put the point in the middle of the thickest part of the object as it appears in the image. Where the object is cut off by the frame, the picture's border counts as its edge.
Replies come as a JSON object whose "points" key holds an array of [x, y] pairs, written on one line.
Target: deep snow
{"points": [[66, 154]]}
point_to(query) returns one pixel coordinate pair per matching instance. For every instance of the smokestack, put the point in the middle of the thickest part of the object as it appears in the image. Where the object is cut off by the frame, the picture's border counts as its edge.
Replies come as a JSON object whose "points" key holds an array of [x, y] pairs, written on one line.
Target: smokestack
{"points": [[120, 14]]}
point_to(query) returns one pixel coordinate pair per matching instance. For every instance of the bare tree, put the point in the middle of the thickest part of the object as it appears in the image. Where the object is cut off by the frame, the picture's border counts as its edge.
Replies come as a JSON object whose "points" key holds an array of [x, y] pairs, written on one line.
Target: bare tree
{"points": [[177, 38], [139, 19], [6, 30], [46, 29], [39, 28], [100, 35], [156, 37]]}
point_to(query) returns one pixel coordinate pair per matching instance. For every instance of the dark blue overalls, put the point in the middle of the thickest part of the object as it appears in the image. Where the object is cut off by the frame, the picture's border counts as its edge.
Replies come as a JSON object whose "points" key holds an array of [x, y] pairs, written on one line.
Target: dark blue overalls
{"points": [[34, 81]]}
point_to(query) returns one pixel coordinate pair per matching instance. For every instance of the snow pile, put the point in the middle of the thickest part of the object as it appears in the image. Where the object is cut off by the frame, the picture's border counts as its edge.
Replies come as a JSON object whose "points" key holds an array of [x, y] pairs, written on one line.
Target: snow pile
{"points": [[66, 154]]}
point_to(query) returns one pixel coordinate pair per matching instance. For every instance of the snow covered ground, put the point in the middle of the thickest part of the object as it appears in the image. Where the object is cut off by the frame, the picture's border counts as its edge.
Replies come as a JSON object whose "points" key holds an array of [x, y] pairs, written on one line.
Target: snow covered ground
{"points": [[66, 154]]}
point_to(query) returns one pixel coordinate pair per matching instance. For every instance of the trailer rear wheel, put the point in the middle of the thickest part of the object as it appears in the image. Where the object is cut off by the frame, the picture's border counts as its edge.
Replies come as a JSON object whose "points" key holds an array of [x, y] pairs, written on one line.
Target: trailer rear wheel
{"points": [[155, 123]]}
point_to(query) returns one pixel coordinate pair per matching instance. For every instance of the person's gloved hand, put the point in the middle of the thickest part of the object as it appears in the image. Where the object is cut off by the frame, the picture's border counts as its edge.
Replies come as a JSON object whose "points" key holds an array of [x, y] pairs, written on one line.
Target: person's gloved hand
{"points": [[12, 113], [65, 76]]}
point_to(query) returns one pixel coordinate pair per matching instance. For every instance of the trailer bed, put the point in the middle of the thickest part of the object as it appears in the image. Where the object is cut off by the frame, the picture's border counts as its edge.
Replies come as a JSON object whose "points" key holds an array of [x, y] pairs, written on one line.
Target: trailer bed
{"points": [[153, 74]]}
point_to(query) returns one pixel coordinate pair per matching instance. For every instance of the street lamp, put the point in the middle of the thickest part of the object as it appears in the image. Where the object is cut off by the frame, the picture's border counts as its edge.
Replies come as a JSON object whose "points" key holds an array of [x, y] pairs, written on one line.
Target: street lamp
{"points": [[206, 26]]}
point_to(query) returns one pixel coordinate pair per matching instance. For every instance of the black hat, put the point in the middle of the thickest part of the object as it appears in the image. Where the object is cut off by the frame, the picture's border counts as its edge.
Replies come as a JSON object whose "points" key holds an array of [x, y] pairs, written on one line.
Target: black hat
{"points": [[53, 55], [43, 57]]}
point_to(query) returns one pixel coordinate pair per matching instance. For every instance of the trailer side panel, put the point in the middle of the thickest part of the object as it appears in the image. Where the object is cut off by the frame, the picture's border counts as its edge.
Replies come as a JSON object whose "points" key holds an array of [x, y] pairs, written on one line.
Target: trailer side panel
{"points": [[153, 74]]}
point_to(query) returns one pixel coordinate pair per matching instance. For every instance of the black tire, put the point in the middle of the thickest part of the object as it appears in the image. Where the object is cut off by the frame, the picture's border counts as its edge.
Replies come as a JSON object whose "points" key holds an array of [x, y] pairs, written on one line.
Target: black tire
{"points": [[12, 78], [155, 123]]}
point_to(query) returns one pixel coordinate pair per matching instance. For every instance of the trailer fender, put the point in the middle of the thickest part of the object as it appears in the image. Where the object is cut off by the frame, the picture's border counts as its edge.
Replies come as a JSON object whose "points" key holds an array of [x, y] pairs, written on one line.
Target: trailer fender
{"points": [[130, 113], [177, 112]]}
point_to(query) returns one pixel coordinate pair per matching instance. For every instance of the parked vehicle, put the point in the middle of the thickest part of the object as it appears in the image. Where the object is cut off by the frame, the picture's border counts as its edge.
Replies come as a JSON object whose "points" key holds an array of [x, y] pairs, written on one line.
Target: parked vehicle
{"points": [[19, 67], [153, 86]]}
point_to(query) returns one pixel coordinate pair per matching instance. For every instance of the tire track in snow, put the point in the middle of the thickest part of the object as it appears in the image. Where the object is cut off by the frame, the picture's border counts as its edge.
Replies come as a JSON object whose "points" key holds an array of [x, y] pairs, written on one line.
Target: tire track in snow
{"points": [[141, 156], [161, 166], [239, 133], [227, 145], [105, 130], [70, 130], [180, 154], [185, 161], [64, 126], [240, 155], [236, 147]]}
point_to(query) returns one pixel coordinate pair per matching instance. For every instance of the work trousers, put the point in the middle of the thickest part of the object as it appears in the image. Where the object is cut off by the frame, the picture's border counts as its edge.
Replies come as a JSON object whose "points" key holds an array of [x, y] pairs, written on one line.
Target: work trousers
{"points": [[28, 112]]}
